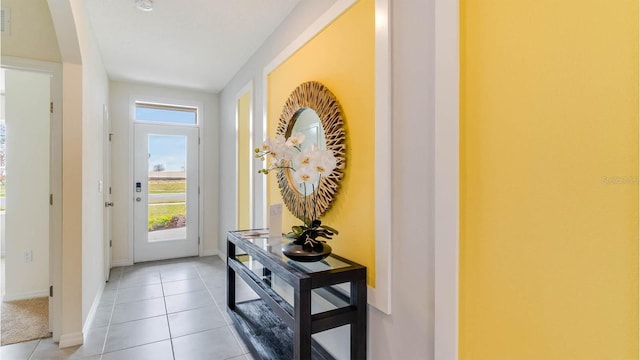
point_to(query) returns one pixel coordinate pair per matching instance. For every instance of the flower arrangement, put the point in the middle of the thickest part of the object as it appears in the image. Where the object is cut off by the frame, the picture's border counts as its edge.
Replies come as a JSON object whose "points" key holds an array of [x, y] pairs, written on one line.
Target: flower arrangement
{"points": [[308, 166]]}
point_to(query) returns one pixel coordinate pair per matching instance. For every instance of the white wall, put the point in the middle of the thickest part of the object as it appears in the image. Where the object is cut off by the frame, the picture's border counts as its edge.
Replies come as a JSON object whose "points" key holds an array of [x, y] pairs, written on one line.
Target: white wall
{"points": [[121, 95], [27, 216], [408, 333], [85, 90], [31, 34], [95, 90]]}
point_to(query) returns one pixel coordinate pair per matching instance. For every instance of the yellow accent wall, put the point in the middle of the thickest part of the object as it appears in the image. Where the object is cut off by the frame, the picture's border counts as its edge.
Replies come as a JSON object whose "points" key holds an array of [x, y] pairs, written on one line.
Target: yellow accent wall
{"points": [[341, 57], [245, 154], [549, 180]]}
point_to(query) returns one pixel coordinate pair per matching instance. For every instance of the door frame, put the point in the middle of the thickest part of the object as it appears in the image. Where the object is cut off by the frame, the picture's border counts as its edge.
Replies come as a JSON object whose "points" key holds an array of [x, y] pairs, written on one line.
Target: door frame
{"points": [[106, 191], [55, 182], [131, 191]]}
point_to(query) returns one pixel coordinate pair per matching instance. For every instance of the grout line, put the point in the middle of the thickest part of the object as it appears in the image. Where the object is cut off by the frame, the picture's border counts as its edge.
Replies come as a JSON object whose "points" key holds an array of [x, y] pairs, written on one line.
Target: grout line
{"points": [[113, 307], [34, 349], [118, 289], [240, 342], [166, 314]]}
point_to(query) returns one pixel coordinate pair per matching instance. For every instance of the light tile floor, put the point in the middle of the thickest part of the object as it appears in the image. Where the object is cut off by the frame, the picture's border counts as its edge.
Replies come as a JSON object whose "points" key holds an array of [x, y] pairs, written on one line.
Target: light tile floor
{"points": [[174, 310]]}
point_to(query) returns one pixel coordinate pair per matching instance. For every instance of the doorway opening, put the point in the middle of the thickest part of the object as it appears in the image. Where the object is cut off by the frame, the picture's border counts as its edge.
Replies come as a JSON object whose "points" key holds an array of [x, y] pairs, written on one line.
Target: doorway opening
{"points": [[29, 180]]}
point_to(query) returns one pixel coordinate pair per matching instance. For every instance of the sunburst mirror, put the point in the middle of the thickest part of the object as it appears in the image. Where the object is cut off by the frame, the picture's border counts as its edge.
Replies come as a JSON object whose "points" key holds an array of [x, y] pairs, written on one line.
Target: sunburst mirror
{"points": [[313, 110]]}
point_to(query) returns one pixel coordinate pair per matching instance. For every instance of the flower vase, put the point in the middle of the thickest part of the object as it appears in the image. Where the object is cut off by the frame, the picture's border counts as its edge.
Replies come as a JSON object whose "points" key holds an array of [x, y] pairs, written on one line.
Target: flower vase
{"points": [[297, 250]]}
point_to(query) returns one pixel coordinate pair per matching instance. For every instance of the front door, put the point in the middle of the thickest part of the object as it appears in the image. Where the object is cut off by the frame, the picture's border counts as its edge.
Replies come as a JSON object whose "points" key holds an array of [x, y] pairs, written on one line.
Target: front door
{"points": [[165, 192]]}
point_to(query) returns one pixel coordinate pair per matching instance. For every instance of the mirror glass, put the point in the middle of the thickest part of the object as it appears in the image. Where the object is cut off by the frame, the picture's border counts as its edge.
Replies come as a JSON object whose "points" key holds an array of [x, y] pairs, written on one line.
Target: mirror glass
{"points": [[307, 121], [314, 111]]}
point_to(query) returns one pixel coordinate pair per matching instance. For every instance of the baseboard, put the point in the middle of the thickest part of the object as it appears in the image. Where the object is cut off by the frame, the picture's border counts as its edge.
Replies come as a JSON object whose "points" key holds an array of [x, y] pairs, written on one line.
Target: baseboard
{"points": [[222, 256], [209, 252], [123, 262], [94, 307], [25, 295], [73, 339]]}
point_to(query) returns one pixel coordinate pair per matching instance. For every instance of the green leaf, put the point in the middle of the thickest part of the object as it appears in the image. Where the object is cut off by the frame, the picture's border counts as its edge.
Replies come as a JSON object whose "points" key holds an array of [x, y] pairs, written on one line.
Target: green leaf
{"points": [[329, 228], [298, 230]]}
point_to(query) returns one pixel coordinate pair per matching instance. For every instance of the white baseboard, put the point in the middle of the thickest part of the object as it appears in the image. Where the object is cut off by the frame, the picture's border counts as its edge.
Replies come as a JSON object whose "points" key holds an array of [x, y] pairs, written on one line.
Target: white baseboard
{"points": [[25, 295], [222, 256], [209, 252], [123, 262], [73, 339], [94, 307]]}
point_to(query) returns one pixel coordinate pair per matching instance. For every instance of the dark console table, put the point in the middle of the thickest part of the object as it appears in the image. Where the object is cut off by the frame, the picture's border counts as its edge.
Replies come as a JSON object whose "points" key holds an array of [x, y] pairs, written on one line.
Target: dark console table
{"points": [[279, 324]]}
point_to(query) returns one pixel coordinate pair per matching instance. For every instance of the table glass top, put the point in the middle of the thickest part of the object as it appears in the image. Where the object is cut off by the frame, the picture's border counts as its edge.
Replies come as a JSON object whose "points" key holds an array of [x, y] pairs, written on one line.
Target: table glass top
{"points": [[261, 239]]}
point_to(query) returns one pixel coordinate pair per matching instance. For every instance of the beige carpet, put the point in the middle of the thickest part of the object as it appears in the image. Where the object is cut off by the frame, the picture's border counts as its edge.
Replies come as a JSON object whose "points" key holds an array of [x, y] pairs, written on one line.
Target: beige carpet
{"points": [[24, 320]]}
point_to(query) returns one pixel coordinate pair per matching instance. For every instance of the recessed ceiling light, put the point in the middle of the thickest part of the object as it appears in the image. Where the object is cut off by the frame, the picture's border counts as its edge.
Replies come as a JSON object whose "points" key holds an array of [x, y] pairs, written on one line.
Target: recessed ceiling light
{"points": [[144, 5]]}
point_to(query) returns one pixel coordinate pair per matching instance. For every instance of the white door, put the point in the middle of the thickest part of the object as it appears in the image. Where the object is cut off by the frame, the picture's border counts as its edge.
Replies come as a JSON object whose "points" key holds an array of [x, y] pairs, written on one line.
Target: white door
{"points": [[165, 192], [106, 189]]}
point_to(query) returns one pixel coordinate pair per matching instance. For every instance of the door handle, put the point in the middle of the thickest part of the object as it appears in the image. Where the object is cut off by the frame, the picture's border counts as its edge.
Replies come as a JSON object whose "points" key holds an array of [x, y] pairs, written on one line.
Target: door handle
{"points": [[138, 199], [108, 204]]}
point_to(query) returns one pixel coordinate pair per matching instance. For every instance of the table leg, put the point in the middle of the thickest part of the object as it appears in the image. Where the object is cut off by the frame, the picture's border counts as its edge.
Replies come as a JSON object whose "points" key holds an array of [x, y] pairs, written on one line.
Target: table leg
{"points": [[359, 329], [302, 316], [231, 276]]}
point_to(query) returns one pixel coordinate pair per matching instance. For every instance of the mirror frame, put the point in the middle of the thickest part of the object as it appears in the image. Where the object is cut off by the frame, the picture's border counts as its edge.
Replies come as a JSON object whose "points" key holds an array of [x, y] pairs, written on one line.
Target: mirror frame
{"points": [[315, 96]]}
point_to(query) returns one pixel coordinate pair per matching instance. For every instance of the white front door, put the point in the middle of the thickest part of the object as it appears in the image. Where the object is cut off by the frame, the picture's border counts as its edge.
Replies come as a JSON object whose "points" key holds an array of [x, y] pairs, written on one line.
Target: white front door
{"points": [[165, 192]]}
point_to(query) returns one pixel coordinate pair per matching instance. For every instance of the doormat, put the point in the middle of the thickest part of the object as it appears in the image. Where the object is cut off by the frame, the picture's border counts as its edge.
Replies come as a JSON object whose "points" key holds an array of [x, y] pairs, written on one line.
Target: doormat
{"points": [[24, 320]]}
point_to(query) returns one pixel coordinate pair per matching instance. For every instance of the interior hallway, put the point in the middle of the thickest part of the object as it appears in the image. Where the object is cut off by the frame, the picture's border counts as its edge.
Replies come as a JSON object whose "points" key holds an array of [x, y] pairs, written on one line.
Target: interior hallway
{"points": [[173, 309]]}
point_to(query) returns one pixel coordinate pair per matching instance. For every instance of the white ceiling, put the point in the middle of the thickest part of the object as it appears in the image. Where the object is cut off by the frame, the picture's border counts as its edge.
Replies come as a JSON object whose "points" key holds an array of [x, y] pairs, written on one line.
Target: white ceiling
{"points": [[197, 44]]}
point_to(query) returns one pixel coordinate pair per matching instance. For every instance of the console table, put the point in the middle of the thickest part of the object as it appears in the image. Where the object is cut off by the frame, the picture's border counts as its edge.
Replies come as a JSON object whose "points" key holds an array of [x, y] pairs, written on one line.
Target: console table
{"points": [[296, 299]]}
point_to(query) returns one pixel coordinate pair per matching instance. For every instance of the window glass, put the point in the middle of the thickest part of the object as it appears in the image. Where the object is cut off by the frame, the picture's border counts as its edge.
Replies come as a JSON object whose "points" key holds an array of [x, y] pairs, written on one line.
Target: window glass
{"points": [[166, 113]]}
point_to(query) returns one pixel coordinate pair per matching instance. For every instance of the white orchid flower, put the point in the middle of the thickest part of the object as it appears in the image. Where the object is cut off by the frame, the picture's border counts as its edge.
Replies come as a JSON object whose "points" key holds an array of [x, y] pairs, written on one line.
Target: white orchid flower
{"points": [[325, 163], [304, 158], [278, 140], [305, 174], [266, 145], [295, 139], [281, 151]]}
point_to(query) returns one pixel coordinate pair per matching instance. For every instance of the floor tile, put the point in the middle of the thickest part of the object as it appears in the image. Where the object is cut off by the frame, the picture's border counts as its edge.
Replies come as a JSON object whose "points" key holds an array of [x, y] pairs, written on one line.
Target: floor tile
{"points": [[197, 320], [182, 286], [135, 333], [155, 351], [241, 357], [139, 293], [139, 280], [216, 344], [102, 317], [48, 350], [188, 301], [179, 274], [19, 351], [243, 346], [130, 321], [138, 310], [219, 295], [214, 279], [93, 343], [108, 297]]}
